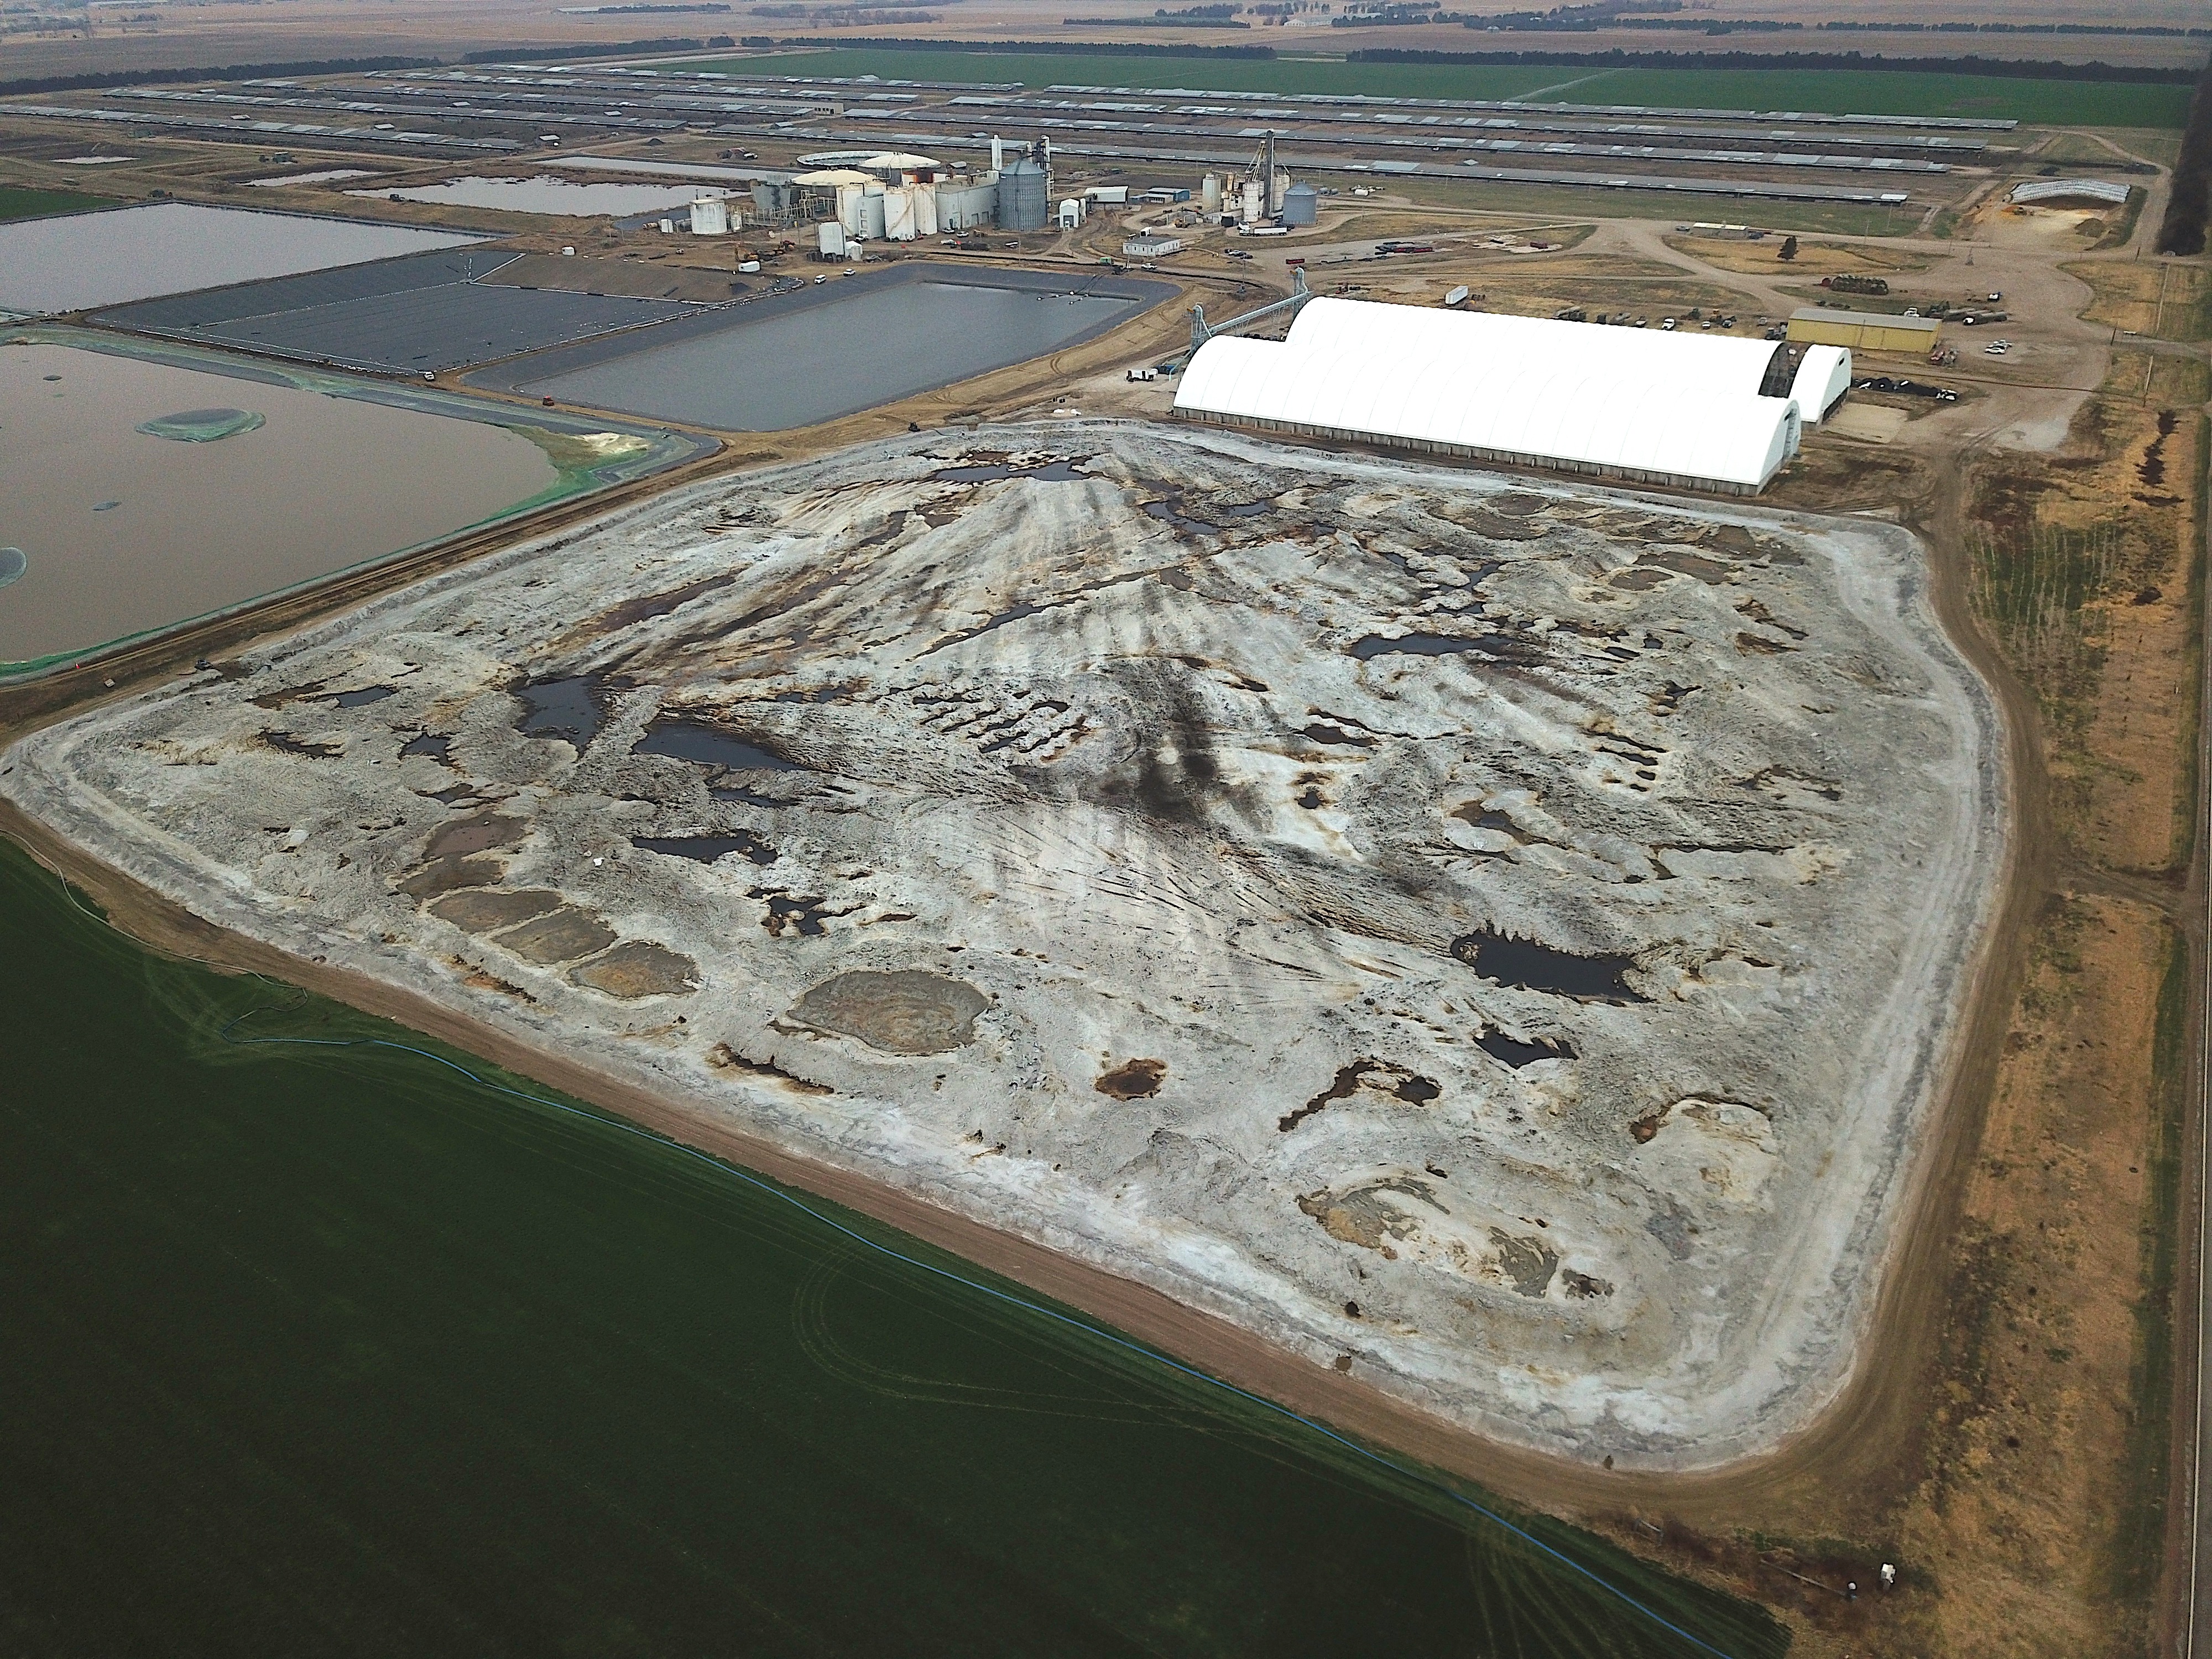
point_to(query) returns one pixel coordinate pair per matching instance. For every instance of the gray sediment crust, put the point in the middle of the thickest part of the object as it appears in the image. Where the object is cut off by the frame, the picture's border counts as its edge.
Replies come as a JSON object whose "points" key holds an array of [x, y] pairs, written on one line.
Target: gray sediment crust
{"points": [[1512, 934]]}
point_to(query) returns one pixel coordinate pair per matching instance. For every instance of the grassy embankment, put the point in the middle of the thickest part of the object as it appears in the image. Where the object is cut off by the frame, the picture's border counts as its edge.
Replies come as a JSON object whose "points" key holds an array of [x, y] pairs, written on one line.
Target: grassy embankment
{"points": [[18, 202]]}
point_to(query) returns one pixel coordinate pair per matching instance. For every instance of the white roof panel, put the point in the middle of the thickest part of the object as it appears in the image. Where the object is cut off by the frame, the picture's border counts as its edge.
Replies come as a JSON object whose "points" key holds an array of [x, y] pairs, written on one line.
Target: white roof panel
{"points": [[1629, 401]]}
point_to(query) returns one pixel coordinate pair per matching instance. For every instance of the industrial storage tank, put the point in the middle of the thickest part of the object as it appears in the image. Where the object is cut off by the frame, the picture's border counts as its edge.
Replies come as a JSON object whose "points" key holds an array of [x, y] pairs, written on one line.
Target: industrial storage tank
{"points": [[874, 216], [1301, 204], [1023, 204], [925, 210], [849, 196], [710, 216], [1255, 208], [898, 213], [1209, 193]]}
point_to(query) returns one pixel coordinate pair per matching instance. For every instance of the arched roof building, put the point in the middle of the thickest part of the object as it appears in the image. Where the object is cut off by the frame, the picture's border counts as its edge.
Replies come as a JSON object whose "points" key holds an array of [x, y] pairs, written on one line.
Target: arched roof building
{"points": [[1651, 407]]}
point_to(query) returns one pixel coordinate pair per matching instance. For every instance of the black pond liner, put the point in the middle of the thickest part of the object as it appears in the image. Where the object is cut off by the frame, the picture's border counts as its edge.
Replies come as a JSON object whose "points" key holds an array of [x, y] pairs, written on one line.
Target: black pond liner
{"points": [[710, 745], [1536, 967]]}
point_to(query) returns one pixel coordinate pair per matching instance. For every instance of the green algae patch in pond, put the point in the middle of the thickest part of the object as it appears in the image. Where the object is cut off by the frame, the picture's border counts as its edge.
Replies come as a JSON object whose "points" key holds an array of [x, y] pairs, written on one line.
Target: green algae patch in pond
{"points": [[439, 1360], [202, 426]]}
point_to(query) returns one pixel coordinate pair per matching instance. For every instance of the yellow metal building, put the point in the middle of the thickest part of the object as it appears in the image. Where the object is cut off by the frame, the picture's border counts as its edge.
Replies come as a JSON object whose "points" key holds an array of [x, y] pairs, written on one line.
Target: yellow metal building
{"points": [[1861, 331]]}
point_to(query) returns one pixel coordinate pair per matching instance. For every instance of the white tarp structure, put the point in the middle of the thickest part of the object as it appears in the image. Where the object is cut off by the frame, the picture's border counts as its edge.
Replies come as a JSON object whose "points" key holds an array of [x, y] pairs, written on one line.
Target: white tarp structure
{"points": [[1649, 406], [2109, 191]]}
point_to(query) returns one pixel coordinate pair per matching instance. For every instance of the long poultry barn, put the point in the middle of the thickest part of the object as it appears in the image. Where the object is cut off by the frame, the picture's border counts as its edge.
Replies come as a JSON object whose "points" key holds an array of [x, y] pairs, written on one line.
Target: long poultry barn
{"points": [[1685, 410]]}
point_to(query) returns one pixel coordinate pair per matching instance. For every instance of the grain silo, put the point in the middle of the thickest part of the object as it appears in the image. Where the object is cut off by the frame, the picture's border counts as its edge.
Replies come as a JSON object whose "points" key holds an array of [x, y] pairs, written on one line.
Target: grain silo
{"points": [[1023, 199], [1301, 204]]}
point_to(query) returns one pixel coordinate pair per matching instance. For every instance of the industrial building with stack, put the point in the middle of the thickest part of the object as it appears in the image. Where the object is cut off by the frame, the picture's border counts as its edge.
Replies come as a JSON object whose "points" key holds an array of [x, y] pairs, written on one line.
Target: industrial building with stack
{"points": [[851, 198], [1689, 411]]}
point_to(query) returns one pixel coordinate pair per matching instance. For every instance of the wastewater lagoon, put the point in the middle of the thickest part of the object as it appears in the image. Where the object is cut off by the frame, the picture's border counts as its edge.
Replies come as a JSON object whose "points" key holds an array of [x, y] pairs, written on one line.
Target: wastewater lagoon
{"points": [[422, 314], [84, 260], [547, 194], [140, 488], [333, 1350], [866, 339]]}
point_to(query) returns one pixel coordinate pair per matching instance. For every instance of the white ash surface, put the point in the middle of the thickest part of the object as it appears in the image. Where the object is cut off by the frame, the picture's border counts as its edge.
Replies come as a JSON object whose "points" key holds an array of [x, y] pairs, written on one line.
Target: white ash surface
{"points": [[1507, 934]]}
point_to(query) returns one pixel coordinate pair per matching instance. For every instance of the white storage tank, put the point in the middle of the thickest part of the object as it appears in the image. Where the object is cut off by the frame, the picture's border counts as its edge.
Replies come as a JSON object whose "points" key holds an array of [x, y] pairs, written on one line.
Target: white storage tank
{"points": [[925, 210], [832, 239], [849, 208], [710, 216], [1255, 209], [898, 213], [874, 216], [1209, 193]]}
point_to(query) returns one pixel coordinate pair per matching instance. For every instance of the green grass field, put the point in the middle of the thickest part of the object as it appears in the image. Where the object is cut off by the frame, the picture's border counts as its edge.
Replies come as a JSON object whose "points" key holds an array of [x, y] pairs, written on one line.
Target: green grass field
{"points": [[1867, 91], [17, 203]]}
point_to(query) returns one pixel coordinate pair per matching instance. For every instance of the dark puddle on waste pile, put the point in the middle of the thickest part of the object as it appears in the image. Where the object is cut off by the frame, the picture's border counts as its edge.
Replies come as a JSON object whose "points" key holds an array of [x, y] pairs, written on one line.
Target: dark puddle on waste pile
{"points": [[1495, 646], [435, 745], [744, 797], [1539, 968], [710, 745], [705, 849], [1170, 511], [1512, 1052], [986, 472], [573, 709], [284, 742]]}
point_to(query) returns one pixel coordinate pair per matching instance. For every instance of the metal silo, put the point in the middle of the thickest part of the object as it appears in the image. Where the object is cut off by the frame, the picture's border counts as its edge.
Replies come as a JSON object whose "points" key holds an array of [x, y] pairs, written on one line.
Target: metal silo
{"points": [[1022, 195], [1209, 193], [1301, 204]]}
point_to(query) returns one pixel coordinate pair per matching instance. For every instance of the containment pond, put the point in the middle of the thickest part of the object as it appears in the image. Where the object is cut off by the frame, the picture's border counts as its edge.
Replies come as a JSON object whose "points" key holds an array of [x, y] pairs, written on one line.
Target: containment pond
{"points": [[835, 347], [87, 259], [347, 1353], [137, 493], [547, 194], [426, 312]]}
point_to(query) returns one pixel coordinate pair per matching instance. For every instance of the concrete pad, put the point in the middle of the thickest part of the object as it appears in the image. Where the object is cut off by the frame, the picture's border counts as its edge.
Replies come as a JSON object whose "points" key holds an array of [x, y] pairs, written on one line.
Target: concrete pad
{"points": [[1870, 423]]}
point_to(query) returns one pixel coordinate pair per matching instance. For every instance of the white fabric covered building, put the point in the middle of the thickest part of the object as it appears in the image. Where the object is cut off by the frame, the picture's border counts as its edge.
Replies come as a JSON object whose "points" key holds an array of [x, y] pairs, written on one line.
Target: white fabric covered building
{"points": [[1654, 407]]}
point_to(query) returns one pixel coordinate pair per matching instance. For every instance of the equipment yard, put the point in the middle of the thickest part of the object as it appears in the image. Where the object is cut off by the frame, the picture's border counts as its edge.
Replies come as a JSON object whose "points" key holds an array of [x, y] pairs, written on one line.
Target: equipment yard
{"points": [[1502, 941]]}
